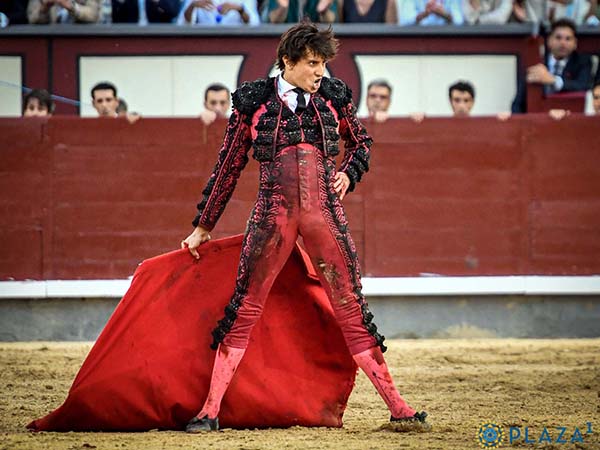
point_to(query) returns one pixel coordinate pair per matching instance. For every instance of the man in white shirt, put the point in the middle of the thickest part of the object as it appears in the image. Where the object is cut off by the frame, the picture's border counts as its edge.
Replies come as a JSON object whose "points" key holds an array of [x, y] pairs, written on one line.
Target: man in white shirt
{"points": [[217, 101], [462, 98], [379, 98], [105, 100]]}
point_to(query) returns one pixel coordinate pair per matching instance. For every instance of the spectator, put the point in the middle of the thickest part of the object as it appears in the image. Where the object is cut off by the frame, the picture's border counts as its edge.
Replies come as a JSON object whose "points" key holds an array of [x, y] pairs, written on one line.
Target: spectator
{"points": [[288, 11], [462, 98], [596, 95], [564, 70], [105, 100], [154, 11], [217, 101], [487, 11], [38, 103], [528, 11], [372, 11], [431, 12], [219, 12], [13, 12], [63, 11], [379, 98], [579, 11]]}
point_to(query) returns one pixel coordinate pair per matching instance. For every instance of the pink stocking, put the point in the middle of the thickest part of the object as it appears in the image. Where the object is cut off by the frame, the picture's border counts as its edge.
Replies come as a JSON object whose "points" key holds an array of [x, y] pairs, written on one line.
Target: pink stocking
{"points": [[371, 361], [226, 362]]}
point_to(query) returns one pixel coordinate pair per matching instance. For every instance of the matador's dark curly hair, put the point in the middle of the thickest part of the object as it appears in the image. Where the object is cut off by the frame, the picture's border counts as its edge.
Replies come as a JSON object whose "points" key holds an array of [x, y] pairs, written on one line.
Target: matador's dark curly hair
{"points": [[304, 37]]}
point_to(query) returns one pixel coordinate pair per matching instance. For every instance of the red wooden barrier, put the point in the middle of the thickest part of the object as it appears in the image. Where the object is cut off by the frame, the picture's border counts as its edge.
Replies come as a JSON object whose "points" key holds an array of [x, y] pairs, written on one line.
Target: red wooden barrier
{"points": [[90, 198]]}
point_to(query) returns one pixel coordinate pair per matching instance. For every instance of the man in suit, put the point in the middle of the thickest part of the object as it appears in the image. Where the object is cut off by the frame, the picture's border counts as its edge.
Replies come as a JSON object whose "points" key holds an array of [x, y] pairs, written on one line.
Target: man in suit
{"points": [[154, 11], [564, 70]]}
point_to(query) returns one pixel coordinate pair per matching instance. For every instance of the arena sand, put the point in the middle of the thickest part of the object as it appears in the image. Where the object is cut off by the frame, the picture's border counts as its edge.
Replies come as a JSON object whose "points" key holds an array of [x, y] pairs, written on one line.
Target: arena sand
{"points": [[526, 384]]}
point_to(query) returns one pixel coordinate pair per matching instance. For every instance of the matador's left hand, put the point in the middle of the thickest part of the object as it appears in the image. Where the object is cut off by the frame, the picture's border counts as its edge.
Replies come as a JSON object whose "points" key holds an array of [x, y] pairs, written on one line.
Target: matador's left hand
{"points": [[341, 184]]}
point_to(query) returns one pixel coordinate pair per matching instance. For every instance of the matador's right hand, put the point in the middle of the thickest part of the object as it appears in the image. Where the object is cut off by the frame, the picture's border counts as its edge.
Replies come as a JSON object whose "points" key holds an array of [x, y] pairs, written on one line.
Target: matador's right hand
{"points": [[193, 241]]}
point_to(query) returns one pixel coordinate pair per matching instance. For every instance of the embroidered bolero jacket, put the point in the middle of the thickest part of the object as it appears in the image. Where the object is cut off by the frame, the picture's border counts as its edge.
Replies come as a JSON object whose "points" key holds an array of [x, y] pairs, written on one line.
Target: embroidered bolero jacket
{"points": [[255, 123]]}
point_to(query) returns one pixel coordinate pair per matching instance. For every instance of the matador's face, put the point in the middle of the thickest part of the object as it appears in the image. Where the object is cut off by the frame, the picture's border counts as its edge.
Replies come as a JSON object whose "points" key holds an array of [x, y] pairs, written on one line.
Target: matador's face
{"points": [[306, 73]]}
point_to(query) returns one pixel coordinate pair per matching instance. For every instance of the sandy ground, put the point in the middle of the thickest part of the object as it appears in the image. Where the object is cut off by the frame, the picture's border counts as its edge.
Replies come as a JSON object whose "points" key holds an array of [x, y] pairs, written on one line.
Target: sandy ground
{"points": [[461, 383]]}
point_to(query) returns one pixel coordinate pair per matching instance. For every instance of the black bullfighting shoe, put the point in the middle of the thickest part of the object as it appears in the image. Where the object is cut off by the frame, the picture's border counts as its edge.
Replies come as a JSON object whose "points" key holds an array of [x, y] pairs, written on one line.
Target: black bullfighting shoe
{"points": [[417, 417], [200, 425], [415, 423]]}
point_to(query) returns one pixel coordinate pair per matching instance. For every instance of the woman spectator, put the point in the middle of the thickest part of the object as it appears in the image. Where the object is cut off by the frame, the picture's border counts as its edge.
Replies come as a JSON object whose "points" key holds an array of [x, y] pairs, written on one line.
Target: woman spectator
{"points": [[292, 11], [368, 11]]}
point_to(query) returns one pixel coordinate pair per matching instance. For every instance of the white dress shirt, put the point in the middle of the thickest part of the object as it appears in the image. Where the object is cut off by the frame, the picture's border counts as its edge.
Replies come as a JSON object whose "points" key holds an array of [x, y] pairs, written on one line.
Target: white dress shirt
{"points": [[287, 94]]}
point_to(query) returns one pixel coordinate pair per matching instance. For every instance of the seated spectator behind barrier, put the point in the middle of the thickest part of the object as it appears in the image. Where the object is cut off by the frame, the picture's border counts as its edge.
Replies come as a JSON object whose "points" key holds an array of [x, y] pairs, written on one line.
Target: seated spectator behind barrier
{"points": [[63, 11], [219, 12], [580, 11], [462, 98], [288, 11], [13, 12], [217, 101], [527, 11], [431, 12], [105, 100], [487, 11], [371, 11], [564, 70], [379, 98], [38, 103], [155, 11]]}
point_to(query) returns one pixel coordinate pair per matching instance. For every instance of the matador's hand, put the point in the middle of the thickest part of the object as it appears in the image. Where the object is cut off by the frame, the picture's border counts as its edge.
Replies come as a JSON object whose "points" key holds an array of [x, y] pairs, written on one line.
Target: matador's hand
{"points": [[193, 241], [341, 184]]}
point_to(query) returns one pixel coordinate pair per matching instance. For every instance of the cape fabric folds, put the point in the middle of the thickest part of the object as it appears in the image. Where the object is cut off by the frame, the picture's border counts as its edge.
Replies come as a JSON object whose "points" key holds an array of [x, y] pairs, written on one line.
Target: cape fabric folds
{"points": [[151, 365]]}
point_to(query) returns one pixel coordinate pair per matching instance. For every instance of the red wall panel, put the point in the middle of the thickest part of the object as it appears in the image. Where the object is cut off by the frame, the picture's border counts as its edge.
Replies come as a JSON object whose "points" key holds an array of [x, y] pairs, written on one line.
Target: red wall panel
{"points": [[91, 198]]}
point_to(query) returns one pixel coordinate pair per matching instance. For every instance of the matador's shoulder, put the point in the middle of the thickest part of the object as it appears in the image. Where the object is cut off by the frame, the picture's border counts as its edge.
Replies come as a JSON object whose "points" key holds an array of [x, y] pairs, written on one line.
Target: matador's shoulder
{"points": [[251, 94], [337, 91]]}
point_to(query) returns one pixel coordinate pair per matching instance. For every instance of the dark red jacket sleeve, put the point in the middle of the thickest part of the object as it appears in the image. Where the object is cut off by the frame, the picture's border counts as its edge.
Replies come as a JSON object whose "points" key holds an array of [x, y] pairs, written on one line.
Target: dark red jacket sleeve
{"points": [[232, 159], [357, 151]]}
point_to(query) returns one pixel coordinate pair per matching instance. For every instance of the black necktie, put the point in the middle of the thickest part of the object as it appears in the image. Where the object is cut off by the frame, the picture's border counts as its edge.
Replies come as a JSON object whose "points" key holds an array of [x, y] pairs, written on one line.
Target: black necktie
{"points": [[301, 100]]}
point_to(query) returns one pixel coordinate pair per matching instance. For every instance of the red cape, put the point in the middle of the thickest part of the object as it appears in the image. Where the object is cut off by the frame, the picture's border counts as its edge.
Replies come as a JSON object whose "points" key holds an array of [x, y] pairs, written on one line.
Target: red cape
{"points": [[150, 367]]}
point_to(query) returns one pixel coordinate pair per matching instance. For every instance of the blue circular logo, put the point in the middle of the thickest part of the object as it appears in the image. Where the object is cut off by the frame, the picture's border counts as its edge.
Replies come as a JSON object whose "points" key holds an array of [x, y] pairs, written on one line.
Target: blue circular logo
{"points": [[490, 435]]}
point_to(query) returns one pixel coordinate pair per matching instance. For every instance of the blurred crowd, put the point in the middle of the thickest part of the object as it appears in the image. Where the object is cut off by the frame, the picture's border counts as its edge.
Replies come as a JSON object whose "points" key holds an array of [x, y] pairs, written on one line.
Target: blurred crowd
{"points": [[564, 70], [256, 12]]}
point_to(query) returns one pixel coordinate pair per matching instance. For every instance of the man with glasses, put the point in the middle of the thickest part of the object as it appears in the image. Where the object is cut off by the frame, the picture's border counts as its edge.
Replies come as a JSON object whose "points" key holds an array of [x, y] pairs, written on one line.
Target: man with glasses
{"points": [[379, 97]]}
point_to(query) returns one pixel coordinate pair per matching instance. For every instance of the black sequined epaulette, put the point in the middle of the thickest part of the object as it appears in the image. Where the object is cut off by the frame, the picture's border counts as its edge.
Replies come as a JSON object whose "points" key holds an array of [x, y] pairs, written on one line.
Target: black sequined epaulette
{"points": [[337, 91], [251, 94]]}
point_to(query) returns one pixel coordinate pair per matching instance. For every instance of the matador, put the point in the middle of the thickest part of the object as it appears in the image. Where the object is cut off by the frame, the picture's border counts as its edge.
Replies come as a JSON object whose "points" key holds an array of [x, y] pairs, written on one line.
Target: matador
{"points": [[293, 123]]}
